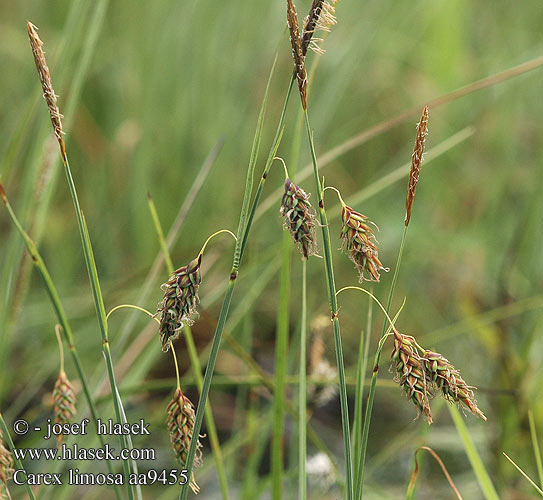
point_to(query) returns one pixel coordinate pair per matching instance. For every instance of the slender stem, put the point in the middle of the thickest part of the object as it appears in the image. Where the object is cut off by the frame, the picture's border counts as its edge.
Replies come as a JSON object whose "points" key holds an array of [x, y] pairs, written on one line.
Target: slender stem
{"points": [[362, 366], [330, 280], [131, 306], [302, 393], [18, 463], [194, 360], [281, 354], [101, 314], [213, 236], [63, 320], [60, 347], [538, 489], [373, 385], [537, 451], [246, 220], [176, 367], [158, 228]]}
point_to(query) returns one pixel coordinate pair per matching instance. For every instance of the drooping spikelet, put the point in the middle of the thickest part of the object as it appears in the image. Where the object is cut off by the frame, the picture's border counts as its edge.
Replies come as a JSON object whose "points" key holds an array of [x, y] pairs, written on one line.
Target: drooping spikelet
{"points": [[180, 421], [6, 468], [321, 16], [178, 306], [410, 373], [47, 85], [359, 242], [300, 218], [416, 160], [64, 401], [297, 54], [449, 382]]}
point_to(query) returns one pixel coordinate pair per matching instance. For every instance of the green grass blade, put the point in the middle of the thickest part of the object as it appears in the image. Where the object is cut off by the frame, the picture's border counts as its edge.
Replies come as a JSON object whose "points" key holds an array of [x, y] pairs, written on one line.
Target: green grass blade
{"points": [[61, 315], [538, 489], [194, 361], [281, 354], [243, 228], [361, 368], [18, 463], [302, 393], [483, 478], [537, 450], [373, 385]]}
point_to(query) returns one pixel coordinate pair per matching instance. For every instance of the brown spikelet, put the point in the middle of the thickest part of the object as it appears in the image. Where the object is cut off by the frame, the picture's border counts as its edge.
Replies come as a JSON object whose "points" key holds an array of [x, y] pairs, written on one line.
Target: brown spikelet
{"points": [[321, 16], [410, 373], [47, 85], [178, 306], [297, 54], [180, 421], [300, 218], [64, 401], [6, 468], [449, 382], [416, 160], [359, 242]]}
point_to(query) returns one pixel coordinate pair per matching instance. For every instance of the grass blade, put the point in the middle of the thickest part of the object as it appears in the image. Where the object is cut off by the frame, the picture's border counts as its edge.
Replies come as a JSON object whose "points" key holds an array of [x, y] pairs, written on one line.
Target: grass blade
{"points": [[243, 230], [489, 491]]}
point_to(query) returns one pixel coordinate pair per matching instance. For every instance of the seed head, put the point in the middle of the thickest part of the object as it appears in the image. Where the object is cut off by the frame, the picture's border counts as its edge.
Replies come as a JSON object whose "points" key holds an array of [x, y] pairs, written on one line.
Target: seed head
{"points": [[47, 85], [410, 373], [297, 54], [64, 401], [416, 160], [180, 421], [449, 382], [178, 307], [6, 468], [321, 16], [359, 242], [300, 218]]}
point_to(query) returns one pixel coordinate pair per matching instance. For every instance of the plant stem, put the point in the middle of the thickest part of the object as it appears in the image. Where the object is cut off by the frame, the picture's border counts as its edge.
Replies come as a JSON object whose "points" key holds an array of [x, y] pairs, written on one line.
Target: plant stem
{"points": [[331, 287], [245, 222], [302, 393], [63, 320], [373, 385], [362, 366], [489, 491], [18, 463], [194, 361], [281, 354], [535, 444]]}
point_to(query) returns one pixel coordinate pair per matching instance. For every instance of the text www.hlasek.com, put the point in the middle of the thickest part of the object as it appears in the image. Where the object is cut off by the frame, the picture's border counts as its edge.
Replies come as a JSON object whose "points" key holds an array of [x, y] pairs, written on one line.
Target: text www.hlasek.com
{"points": [[74, 452]]}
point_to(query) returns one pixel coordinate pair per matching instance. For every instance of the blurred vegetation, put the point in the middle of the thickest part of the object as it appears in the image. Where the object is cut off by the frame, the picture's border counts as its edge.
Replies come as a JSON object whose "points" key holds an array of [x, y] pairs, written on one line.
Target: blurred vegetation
{"points": [[165, 82]]}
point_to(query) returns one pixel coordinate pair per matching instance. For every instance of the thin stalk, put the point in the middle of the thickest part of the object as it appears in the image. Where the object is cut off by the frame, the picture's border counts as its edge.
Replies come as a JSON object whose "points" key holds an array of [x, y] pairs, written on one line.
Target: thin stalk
{"points": [[281, 353], [538, 489], [62, 318], [101, 313], [373, 385], [331, 287], [245, 221], [210, 422], [194, 360], [302, 393], [537, 451], [160, 234], [18, 463], [362, 366]]}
